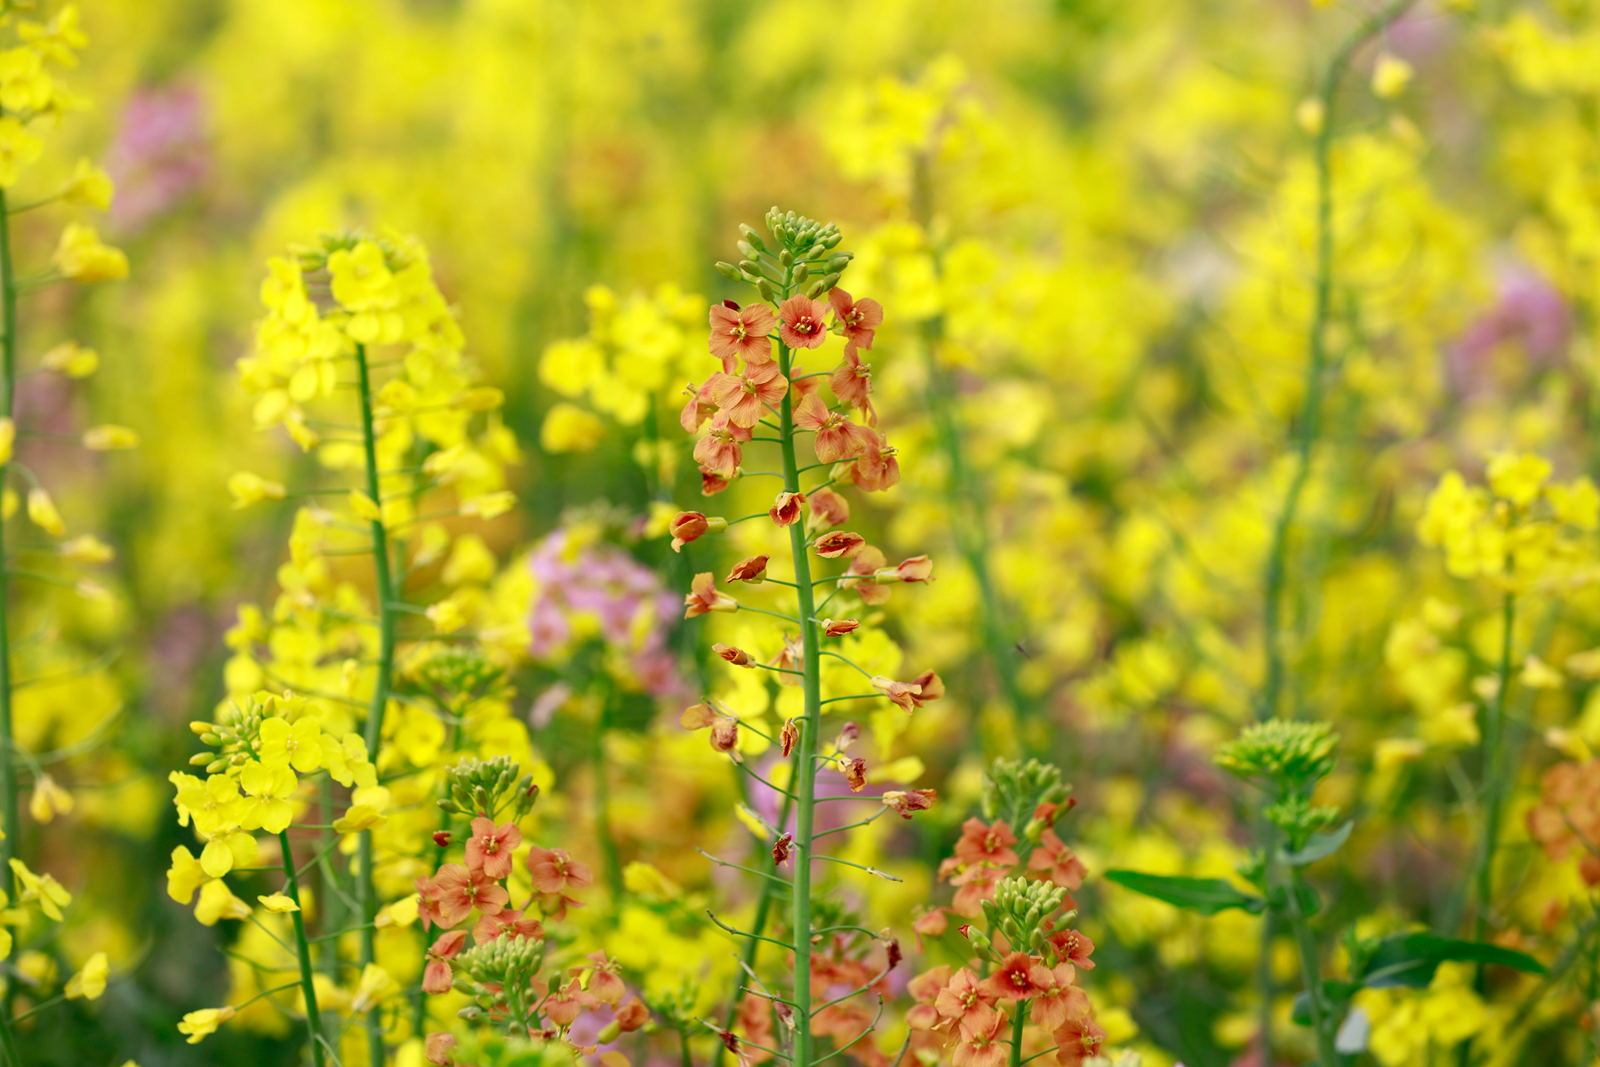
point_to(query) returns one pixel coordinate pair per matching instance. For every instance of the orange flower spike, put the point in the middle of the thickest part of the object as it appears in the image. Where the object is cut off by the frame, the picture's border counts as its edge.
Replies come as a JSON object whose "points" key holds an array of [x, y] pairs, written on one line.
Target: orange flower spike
{"points": [[553, 871], [703, 597], [751, 569], [742, 332], [785, 511], [801, 323], [839, 627], [840, 544], [743, 398], [855, 319], [828, 509], [986, 844], [689, 526], [736, 656]]}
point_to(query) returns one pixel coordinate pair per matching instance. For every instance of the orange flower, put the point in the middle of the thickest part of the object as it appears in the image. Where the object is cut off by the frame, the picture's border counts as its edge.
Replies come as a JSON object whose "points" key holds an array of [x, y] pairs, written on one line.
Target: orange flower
{"points": [[1019, 977], [1058, 861], [742, 333], [840, 543], [438, 1047], [744, 397], [876, 469], [736, 656], [689, 526], [906, 801], [554, 871], [855, 319], [605, 984], [725, 738], [631, 1016], [712, 483], [837, 437], [800, 322], [788, 737], [861, 576], [986, 844], [901, 693], [489, 848], [700, 406], [851, 382], [839, 627], [436, 977], [915, 569], [1059, 999], [703, 597], [855, 772], [1075, 947], [564, 1007], [924, 989], [986, 1046], [508, 923], [461, 890], [828, 509], [785, 511], [977, 884], [719, 451], [965, 1002], [749, 569], [1077, 1041]]}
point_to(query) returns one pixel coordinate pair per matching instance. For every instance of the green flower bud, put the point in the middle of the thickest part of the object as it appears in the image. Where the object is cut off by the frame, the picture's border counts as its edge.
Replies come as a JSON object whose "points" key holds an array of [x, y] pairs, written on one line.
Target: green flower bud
{"points": [[728, 270]]}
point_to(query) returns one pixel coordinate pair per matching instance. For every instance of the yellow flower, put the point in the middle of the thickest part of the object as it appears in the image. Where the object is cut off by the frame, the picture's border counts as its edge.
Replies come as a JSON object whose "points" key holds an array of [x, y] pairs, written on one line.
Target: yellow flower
{"points": [[267, 791], [90, 187], [278, 902], [213, 804], [48, 800], [8, 439], [89, 982], [197, 1024], [71, 359], [364, 507], [82, 257], [1390, 76], [217, 902], [109, 438], [359, 817], [489, 505], [87, 549], [185, 876], [569, 428], [1518, 478], [447, 615], [50, 894], [299, 745], [18, 148], [43, 514], [375, 987], [401, 913], [248, 488]]}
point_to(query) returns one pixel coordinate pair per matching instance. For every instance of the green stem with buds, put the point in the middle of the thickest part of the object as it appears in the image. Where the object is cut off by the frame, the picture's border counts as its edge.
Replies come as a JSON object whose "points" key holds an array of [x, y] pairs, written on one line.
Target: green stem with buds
{"points": [[805, 784], [308, 987], [366, 895]]}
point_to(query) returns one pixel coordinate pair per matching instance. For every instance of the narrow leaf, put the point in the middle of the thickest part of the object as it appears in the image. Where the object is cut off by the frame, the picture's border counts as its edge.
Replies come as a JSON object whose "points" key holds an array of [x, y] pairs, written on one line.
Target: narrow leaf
{"points": [[1204, 895], [1321, 846]]}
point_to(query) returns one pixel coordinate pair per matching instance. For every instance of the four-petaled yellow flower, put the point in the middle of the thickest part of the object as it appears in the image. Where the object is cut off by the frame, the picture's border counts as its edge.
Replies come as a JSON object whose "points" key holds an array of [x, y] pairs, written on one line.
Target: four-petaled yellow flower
{"points": [[89, 982], [298, 745], [267, 805]]}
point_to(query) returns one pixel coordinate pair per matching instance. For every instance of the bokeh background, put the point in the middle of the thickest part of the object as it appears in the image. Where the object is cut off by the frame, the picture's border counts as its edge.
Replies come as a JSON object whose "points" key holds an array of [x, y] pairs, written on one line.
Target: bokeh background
{"points": [[1090, 223]]}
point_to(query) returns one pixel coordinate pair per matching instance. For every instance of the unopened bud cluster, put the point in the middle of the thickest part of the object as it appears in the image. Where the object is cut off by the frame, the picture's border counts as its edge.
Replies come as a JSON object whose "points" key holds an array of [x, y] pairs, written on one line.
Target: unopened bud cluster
{"points": [[233, 735], [1013, 790], [463, 671], [505, 961], [1292, 755], [1023, 911], [476, 786], [802, 250]]}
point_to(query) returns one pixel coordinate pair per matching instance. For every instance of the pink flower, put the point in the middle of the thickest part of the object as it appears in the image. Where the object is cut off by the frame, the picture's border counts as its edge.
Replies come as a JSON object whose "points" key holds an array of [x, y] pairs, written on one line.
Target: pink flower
{"points": [[1058, 861], [489, 848], [554, 871], [744, 397], [852, 381], [801, 324], [743, 333], [700, 406], [877, 469], [856, 318], [1019, 977]]}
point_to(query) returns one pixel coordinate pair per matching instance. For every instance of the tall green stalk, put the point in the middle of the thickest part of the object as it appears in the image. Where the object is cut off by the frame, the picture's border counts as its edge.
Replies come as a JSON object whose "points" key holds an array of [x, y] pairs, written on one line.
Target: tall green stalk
{"points": [[758, 926], [308, 986], [366, 896], [10, 820], [1493, 775], [1311, 972], [805, 782]]}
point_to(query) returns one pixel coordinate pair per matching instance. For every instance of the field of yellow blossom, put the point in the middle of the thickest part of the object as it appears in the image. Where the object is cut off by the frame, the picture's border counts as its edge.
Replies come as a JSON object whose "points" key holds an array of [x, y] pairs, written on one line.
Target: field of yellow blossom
{"points": [[695, 533]]}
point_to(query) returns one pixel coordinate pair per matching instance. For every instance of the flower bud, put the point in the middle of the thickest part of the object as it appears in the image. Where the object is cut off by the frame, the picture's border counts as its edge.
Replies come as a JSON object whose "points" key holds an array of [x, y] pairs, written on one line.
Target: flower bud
{"points": [[816, 289], [764, 287], [442, 838], [832, 240], [801, 273], [747, 250], [609, 1033], [830, 280], [728, 270], [752, 235], [838, 263]]}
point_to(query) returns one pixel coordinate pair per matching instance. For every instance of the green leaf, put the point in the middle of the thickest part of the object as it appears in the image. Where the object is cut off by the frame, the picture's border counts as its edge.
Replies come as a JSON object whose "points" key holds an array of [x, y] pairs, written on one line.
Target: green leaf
{"points": [[1204, 895], [1321, 846], [1412, 959], [1336, 993]]}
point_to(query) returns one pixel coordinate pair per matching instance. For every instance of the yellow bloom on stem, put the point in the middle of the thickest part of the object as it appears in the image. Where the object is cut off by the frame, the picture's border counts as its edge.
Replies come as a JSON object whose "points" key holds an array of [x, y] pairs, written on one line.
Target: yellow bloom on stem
{"points": [[8, 439], [217, 902], [43, 514], [185, 876], [1518, 478], [48, 800], [90, 187], [82, 256], [197, 1024], [18, 148], [89, 982], [267, 791], [298, 745], [359, 817], [50, 894], [72, 359], [87, 549], [376, 986], [110, 438], [213, 804], [278, 902], [247, 488]]}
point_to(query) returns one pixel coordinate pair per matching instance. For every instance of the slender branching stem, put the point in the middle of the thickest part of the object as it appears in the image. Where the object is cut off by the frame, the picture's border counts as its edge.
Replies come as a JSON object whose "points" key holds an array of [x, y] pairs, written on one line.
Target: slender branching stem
{"points": [[308, 987]]}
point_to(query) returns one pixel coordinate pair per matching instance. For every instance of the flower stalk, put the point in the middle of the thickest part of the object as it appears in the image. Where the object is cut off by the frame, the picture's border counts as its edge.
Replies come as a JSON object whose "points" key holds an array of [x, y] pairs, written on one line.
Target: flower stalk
{"points": [[308, 986], [10, 820]]}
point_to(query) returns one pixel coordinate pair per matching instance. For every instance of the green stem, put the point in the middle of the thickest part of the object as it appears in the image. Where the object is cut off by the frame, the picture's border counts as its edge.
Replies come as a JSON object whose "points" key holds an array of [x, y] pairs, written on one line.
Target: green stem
{"points": [[602, 800], [1311, 973], [365, 894], [8, 1043], [291, 889], [806, 751], [1493, 774], [10, 820], [752, 944], [1017, 1023]]}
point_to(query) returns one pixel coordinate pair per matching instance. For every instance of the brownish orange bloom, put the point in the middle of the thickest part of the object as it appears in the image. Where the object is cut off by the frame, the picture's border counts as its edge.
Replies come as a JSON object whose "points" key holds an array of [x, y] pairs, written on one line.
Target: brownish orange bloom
{"points": [[965, 1002], [915, 569], [851, 383], [1078, 1041], [745, 397], [855, 772], [755, 1024], [438, 1048], [700, 405], [704, 598], [461, 890], [781, 849], [720, 451], [856, 319], [689, 526], [553, 871], [508, 923], [837, 437], [977, 884], [800, 322], [712, 483], [742, 332], [986, 844], [1075, 947], [749, 569], [931, 688], [1568, 816], [736, 656], [1058, 861], [1019, 977], [725, 738], [631, 1016], [436, 976], [788, 737], [839, 627], [564, 1006], [901, 693], [828, 509], [861, 573], [876, 469], [924, 989], [906, 801], [1059, 998], [785, 511], [840, 543]]}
